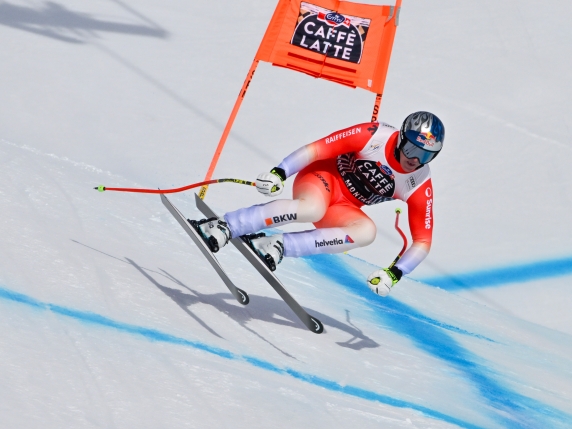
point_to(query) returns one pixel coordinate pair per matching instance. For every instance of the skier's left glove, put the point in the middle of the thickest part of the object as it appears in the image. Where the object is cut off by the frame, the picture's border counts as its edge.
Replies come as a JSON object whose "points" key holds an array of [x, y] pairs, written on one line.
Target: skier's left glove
{"points": [[271, 184], [381, 281]]}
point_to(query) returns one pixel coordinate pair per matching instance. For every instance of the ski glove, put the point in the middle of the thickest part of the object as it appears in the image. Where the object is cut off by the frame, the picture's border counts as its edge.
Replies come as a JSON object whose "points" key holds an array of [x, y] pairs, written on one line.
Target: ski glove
{"points": [[271, 184], [381, 281]]}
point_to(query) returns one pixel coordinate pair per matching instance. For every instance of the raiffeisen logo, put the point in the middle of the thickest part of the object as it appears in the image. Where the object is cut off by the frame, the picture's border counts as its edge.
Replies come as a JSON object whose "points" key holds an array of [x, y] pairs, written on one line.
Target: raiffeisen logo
{"points": [[279, 219], [335, 137]]}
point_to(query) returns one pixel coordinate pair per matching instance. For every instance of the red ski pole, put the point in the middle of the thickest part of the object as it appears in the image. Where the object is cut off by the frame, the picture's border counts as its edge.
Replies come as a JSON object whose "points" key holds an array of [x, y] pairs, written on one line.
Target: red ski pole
{"points": [[397, 213], [102, 188]]}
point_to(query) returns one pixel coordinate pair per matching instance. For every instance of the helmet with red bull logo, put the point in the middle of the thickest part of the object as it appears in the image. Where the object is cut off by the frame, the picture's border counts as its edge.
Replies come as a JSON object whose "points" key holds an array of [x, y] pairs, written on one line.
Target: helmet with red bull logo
{"points": [[421, 136]]}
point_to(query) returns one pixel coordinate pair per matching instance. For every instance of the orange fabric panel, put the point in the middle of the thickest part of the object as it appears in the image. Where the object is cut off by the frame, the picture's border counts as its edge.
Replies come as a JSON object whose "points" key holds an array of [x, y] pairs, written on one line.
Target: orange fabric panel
{"points": [[348, 43]]}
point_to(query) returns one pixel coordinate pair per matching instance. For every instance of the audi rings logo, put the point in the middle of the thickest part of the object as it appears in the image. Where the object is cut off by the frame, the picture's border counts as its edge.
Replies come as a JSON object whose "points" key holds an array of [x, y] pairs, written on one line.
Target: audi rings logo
{"points": [[428, 192]]}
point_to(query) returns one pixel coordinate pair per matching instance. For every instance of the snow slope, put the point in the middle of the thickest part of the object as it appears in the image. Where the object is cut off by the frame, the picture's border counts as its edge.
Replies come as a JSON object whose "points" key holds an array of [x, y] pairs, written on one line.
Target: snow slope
{"points": [[111, 319]]}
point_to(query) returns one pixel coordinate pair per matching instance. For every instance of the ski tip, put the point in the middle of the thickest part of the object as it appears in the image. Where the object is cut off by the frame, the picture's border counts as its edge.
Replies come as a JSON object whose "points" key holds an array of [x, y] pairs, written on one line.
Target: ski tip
{"points": [[100, 188], [397, 210], [243, 297], [316, 326]]}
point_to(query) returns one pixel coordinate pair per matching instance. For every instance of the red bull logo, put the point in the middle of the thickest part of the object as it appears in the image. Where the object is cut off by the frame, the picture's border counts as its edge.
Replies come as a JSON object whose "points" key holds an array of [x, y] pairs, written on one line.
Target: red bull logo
{"points": [[428, 135], [428, 138]]}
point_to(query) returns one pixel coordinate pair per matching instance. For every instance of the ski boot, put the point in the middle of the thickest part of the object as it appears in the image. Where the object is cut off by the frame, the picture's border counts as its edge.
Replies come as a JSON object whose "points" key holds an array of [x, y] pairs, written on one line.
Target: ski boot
{"points": [[269, 249], [215, 232]]}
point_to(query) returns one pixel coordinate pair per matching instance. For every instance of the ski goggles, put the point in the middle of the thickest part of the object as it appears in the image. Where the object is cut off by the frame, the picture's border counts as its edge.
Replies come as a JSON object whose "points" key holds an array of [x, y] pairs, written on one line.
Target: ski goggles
{"points": [[411, 150]]}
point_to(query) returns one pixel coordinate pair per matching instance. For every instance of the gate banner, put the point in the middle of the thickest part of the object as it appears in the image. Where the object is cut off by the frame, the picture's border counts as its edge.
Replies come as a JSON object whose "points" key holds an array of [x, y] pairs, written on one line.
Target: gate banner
{"points": [[348, 43], [335, 35]]}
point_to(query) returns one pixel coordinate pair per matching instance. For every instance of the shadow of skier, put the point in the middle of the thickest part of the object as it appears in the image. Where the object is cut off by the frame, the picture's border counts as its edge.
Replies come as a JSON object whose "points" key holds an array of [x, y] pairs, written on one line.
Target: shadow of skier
{"points": [[265, 309], [276, 311], [219, 301]]}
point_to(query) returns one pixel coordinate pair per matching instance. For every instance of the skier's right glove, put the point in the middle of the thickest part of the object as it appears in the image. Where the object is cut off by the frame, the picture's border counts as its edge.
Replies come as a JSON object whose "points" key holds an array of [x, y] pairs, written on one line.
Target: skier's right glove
{"points": [[381, 281], [271, 184]]}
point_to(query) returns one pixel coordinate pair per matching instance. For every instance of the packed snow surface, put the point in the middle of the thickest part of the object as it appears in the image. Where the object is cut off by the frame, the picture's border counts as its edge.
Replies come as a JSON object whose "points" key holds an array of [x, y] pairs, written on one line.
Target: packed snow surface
{"points": [[111, 318]]}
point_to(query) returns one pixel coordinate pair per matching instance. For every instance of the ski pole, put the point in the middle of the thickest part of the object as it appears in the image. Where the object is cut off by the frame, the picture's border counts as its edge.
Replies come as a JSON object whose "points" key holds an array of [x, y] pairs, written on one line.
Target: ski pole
{"points": [[102, 188], [228, 126], [397, 213]]}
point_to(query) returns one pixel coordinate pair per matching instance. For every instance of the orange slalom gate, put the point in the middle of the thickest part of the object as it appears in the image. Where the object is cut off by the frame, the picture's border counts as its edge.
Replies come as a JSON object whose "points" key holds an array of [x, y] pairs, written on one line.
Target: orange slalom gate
{"points": [[344, 42]]}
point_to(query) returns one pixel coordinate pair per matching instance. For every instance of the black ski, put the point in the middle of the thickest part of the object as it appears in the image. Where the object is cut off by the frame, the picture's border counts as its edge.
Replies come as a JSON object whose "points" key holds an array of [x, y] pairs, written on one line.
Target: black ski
{"points": [[240, 295], [311, 322]]}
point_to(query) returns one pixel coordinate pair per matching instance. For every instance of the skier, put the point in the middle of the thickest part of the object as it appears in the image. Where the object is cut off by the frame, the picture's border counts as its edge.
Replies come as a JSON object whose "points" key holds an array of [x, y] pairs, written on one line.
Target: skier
{"points": [[361, 165]]}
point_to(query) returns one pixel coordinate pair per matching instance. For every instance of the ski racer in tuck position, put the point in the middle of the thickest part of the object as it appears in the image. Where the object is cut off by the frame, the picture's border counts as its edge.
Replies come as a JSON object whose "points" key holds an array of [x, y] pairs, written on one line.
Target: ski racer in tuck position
{"points": [[337, 175]]}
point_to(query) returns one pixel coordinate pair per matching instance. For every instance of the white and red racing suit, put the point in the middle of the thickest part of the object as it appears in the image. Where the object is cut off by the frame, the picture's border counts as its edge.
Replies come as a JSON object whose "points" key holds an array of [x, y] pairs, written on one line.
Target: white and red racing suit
{"points": [[337, 175]]}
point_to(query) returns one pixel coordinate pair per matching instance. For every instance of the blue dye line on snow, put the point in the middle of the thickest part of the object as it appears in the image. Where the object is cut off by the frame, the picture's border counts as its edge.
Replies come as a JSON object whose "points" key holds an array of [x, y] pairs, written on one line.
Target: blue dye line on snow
{"points": [[155, 335], [93, 318], [504, 275], [418, 316], [511, 409]]}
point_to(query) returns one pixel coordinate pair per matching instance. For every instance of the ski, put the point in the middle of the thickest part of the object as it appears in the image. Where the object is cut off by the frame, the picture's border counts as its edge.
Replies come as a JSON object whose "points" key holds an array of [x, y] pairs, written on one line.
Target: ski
{"points": [[240, 295], [243, 247]]}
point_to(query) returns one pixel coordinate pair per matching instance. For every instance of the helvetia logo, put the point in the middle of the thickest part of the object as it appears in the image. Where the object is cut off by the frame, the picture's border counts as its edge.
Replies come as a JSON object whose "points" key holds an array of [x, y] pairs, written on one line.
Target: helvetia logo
{"points": [[279, 219], [334, 242]]}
